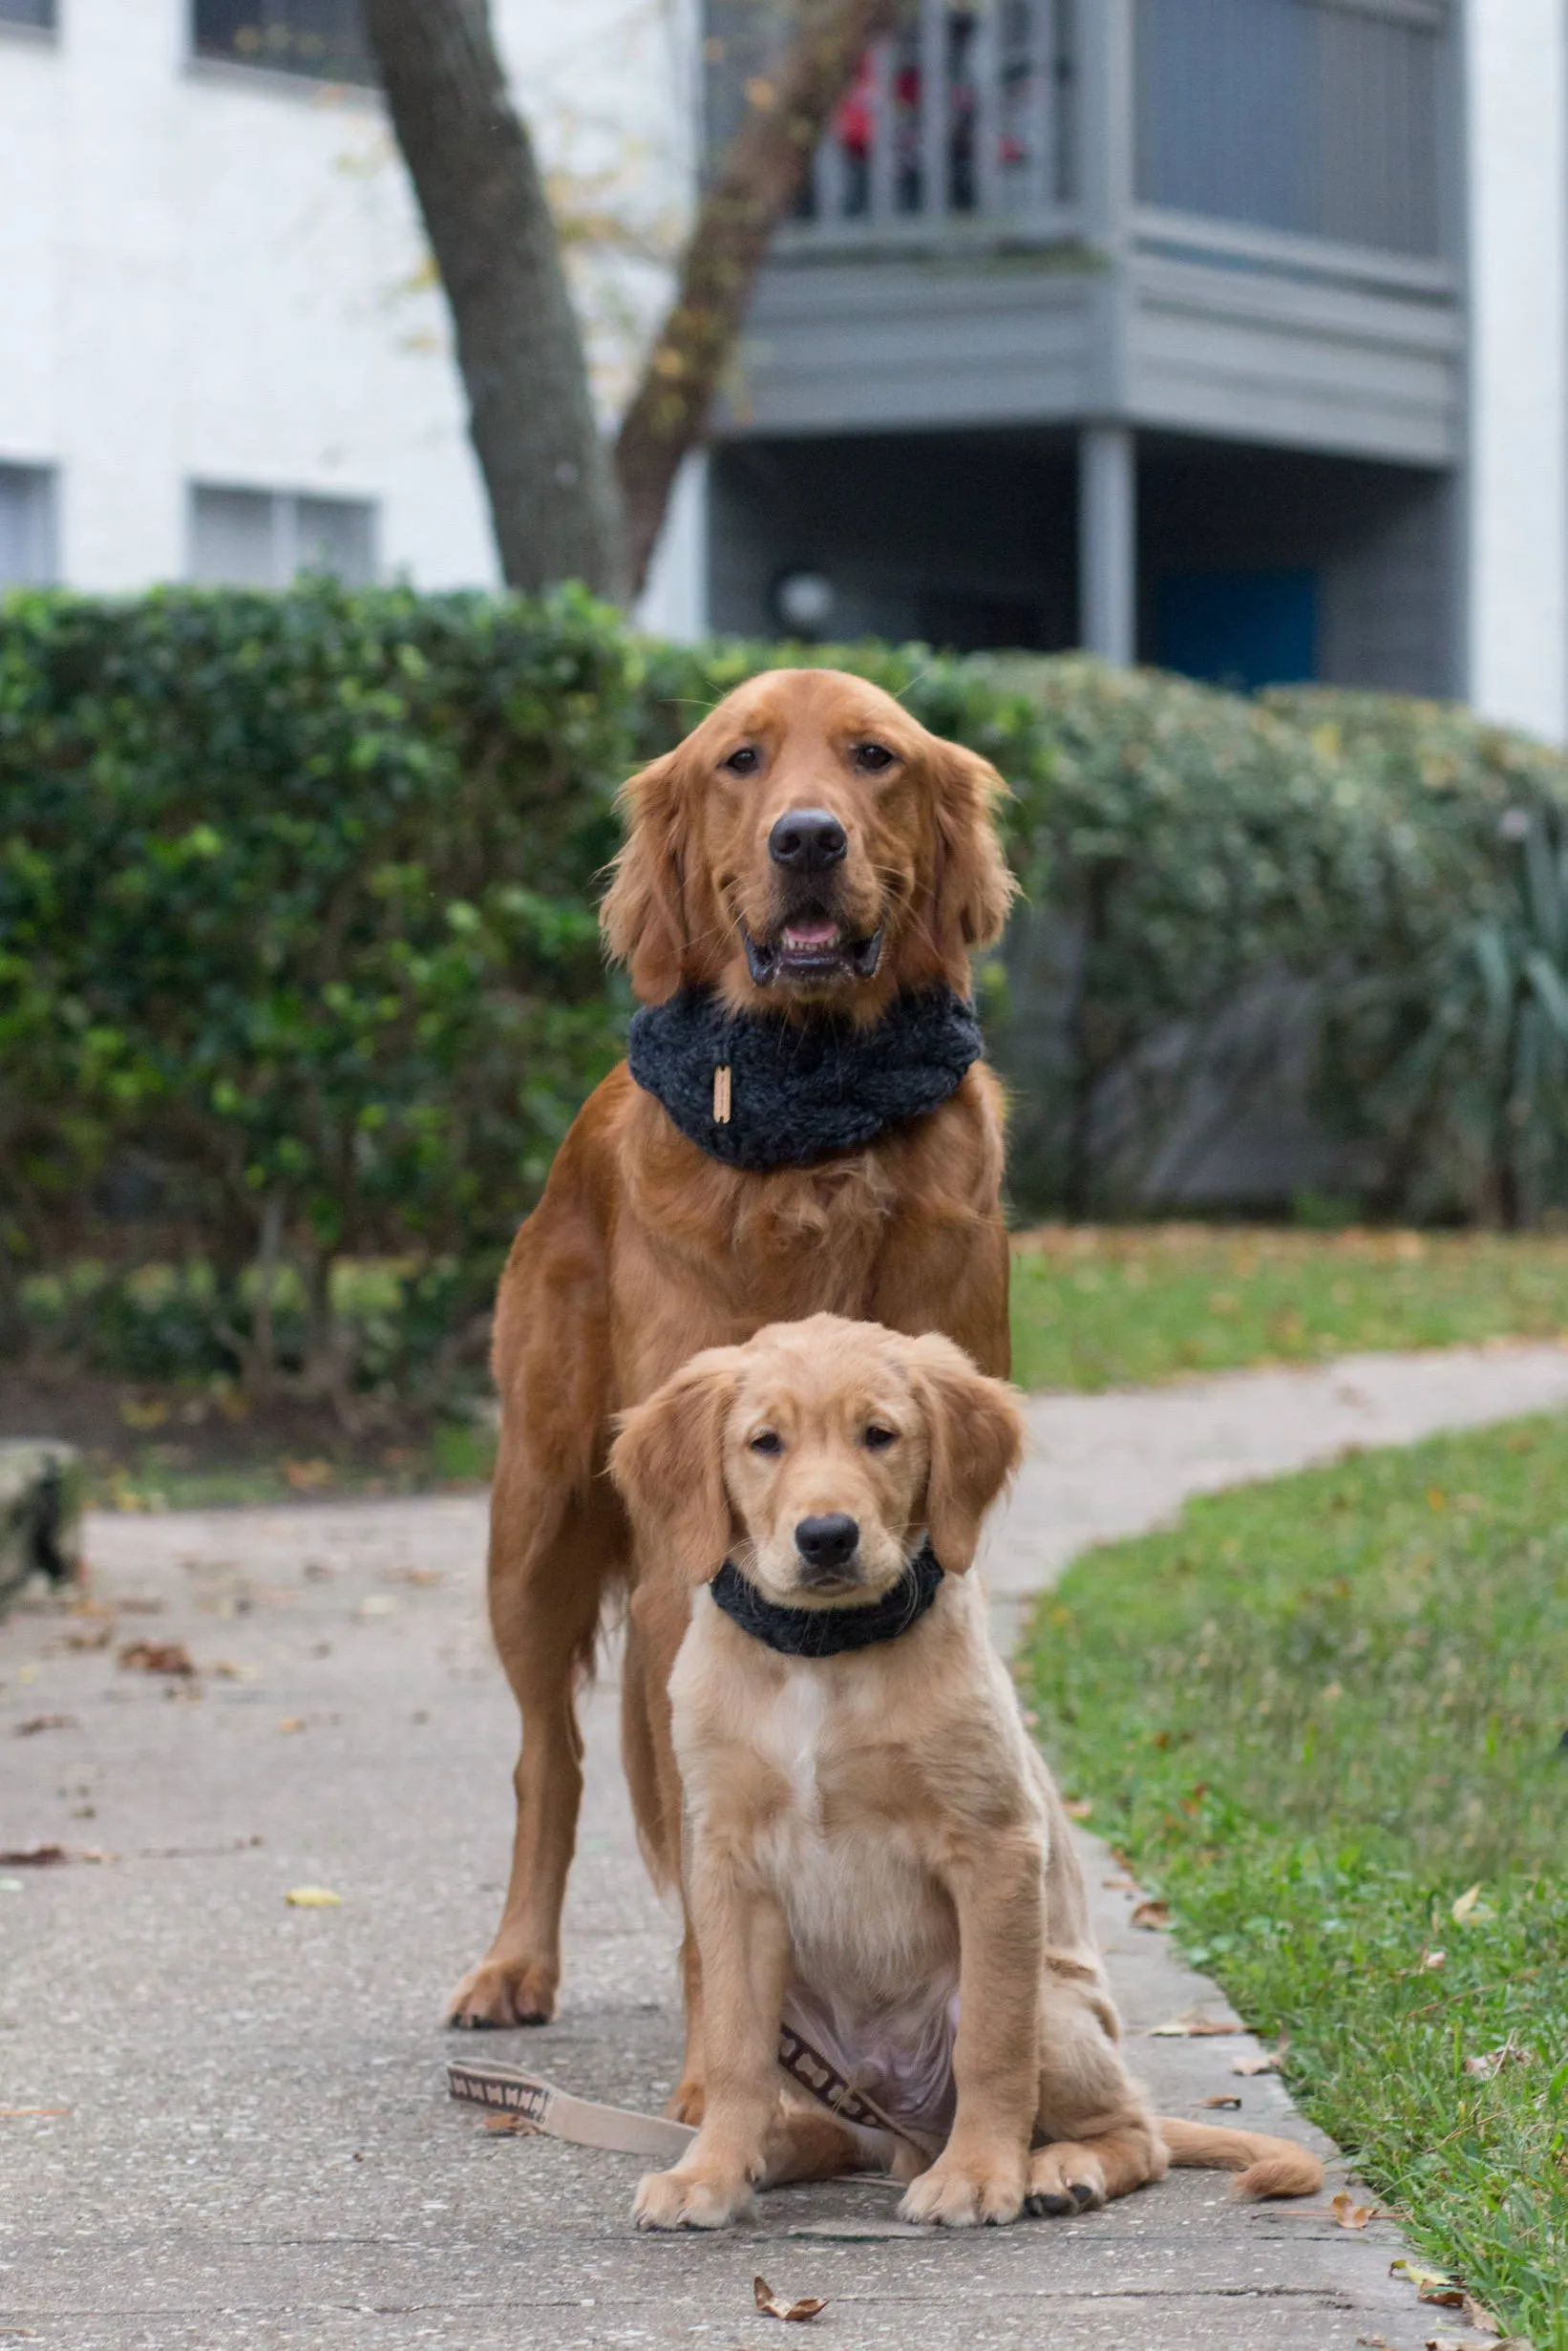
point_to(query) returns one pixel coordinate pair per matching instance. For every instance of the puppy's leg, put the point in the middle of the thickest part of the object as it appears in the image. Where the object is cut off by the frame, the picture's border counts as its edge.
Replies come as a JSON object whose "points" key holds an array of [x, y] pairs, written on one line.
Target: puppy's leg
{"points": [[1101, 2141], [981, 2173], [745, 1947], [549, 1565]]}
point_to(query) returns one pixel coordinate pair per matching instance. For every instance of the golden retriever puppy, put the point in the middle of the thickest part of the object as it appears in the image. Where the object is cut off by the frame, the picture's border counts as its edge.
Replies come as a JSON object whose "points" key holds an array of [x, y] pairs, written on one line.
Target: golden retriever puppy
{"points": [[876, 1861], [805, 1123]]}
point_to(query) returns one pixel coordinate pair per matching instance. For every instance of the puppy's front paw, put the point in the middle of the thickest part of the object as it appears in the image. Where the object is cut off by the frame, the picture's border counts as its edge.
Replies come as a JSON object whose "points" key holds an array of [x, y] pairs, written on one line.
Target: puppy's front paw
{"points": [[683, 2199], [958, 2194]]}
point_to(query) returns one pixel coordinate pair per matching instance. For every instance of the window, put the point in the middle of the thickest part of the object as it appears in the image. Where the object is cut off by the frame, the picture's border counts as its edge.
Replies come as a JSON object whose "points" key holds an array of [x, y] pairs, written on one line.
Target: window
{"points": [[263, 538], [322, 38], [26, 525], [40, 14]]}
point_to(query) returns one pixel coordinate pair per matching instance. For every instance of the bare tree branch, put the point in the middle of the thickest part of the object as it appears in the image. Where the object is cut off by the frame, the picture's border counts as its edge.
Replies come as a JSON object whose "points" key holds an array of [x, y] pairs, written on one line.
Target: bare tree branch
{"points": [[756, 185], [552, 494]]}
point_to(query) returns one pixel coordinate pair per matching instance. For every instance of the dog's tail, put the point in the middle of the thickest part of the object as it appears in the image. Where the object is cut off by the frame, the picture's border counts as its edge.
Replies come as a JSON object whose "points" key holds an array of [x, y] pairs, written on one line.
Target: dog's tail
{"points": [[1267, 2167]]}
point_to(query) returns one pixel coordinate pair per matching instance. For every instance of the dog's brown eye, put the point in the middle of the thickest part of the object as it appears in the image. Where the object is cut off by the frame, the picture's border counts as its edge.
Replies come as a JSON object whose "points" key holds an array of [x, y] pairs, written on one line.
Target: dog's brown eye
{"points": [[767, 1441], [877, 1439], [746, 761], [871, 758]]}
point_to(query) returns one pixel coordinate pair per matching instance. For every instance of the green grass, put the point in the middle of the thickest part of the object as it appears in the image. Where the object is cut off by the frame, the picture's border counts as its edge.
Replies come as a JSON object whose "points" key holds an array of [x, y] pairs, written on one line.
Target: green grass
{"points": [[1109, 1305], [1314, 1715]]}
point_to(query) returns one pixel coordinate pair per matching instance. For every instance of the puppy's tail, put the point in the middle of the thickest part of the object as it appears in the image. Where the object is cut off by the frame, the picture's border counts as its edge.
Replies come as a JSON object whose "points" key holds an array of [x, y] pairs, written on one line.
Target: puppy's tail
{"points": [[1265, 2167]]}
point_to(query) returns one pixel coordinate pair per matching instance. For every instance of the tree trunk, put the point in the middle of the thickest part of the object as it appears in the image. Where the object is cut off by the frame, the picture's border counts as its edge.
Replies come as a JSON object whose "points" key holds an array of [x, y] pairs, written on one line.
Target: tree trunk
{"points": [[757, 183], [552, 494]]}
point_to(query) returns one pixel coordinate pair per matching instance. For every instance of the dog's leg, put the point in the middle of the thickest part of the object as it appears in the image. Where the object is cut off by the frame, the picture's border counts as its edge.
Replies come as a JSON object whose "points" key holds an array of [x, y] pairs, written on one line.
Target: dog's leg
{"points": [[744, 1946], [656, 1625], [546, 1583], [1101, 2140], [982, 2173], [1072, 2175]]}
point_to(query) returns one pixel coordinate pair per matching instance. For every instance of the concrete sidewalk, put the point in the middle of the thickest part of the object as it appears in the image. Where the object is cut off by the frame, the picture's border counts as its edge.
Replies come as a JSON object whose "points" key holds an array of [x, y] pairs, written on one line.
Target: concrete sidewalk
{"points": [[256, 2148]]}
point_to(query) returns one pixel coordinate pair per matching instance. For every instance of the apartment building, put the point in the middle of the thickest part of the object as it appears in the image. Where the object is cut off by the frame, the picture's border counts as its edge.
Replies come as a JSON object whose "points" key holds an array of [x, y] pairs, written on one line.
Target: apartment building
{"points": [[1230, 334]]}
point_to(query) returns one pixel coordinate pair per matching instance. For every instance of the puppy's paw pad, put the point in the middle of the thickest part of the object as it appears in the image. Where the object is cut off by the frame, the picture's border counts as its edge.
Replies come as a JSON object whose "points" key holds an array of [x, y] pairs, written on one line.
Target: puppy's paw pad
{"points": [[1064, 2181], [963, 2200]]}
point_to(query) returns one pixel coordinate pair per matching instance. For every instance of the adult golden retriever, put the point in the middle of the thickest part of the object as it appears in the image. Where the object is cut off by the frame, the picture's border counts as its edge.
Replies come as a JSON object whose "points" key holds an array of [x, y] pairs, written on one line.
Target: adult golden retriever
{"points": [[807, 850], [875, 1853]]}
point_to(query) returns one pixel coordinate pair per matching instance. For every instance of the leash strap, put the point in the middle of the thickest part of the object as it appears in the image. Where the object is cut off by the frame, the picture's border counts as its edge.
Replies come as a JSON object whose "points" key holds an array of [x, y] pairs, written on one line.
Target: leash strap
{"points": [[540, 2105]]}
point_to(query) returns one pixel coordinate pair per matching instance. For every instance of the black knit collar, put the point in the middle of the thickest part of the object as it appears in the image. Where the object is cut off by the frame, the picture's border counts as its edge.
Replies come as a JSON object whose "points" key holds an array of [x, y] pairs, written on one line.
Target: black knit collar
{"points": [[758, 1091], [828, 1632]]}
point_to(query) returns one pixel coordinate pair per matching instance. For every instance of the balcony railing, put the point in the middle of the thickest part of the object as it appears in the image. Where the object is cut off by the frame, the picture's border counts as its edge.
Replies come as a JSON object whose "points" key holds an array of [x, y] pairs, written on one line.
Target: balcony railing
{"points": [[1319, 119]]}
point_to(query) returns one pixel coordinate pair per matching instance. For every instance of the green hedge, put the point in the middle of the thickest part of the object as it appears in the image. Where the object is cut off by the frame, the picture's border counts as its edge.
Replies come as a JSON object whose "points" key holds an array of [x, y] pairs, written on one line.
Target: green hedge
{"points": [[298, 961]]}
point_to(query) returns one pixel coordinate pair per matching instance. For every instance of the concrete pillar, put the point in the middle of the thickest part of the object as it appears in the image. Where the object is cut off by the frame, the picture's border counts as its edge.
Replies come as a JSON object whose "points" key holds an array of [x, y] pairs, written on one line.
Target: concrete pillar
{"points": [[674, 602], [1517, 126], [1108, 556]]}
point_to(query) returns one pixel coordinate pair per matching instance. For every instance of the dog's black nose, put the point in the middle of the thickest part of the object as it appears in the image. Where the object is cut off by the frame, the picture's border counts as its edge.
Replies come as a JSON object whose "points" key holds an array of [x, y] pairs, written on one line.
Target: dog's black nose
{"points": [[807, 840], [829, 1542]]}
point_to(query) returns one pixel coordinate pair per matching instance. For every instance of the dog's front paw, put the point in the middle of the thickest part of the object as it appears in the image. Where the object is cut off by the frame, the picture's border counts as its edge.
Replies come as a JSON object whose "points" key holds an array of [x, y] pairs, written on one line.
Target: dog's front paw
{"points": [[499, 1993], [958, 2194], [683, 2199]]}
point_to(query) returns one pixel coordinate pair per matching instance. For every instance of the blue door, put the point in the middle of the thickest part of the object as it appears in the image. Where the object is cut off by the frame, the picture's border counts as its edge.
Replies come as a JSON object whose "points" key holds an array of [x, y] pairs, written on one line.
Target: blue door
{"points": [[1237, 628]]}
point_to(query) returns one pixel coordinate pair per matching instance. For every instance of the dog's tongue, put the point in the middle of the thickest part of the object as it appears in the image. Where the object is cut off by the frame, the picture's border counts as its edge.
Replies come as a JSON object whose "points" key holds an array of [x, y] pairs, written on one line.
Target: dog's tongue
{"points": [[811, 935]]}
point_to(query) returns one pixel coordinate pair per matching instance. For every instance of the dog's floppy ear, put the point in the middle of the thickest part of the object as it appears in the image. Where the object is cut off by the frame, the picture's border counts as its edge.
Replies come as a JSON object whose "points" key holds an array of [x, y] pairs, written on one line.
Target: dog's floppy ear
{"points": [[973, 888], [669, 1464], [642, 918], [975, 1432]]}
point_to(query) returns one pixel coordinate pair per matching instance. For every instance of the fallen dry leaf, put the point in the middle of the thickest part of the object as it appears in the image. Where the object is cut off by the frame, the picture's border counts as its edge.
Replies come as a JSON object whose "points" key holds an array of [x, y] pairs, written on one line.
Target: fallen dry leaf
{"points": [[1220, 2098], [44, 1721], [1266, 2060], [91, 1637], [302, 1475], [1353, 2215], [1078, 1807], [1151, 1913], [1193, 2026], [1470, 1910], [774, 2305], [1479, 2316], [170, 1657], [33, 1856], [506, 2126], [1431, 2285], [1118, 1885], [1491, 2061], [291, 1722], [225, 1669], [313, 1898]]}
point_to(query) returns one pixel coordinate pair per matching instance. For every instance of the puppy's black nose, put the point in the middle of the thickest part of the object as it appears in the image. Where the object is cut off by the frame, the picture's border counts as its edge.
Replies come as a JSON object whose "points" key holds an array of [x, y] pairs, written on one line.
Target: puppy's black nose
{"points": [[807, 840], [827, 1543]]}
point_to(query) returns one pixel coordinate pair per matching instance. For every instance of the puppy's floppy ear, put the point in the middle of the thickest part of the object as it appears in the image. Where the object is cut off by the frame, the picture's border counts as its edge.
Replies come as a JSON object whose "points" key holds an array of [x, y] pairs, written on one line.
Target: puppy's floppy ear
{"points": [[669, 1464], [642, 918], [975, 1432], [973, 888]]}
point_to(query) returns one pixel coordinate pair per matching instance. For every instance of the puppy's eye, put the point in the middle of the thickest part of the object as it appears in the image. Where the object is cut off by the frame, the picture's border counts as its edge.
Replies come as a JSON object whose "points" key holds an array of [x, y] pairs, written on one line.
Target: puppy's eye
{"points": [[746, 761], [871, 758], [877, 1439], [767, 1441]]}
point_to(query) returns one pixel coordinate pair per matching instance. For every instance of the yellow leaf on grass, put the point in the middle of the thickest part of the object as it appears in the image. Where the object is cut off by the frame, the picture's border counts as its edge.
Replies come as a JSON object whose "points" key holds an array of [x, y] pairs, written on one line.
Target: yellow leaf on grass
{"points": [[313, 1898], [1470, 1910]]}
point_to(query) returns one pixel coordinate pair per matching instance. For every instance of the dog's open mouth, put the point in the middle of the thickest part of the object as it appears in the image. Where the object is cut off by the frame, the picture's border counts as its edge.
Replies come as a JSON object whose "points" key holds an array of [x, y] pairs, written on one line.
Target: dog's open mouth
{"points": [[812, 947]]}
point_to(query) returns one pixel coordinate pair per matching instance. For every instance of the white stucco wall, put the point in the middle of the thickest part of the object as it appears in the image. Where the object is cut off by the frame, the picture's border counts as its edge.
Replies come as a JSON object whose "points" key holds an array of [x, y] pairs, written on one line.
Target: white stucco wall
{"points": [[1517, 82], [209, 274]]}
